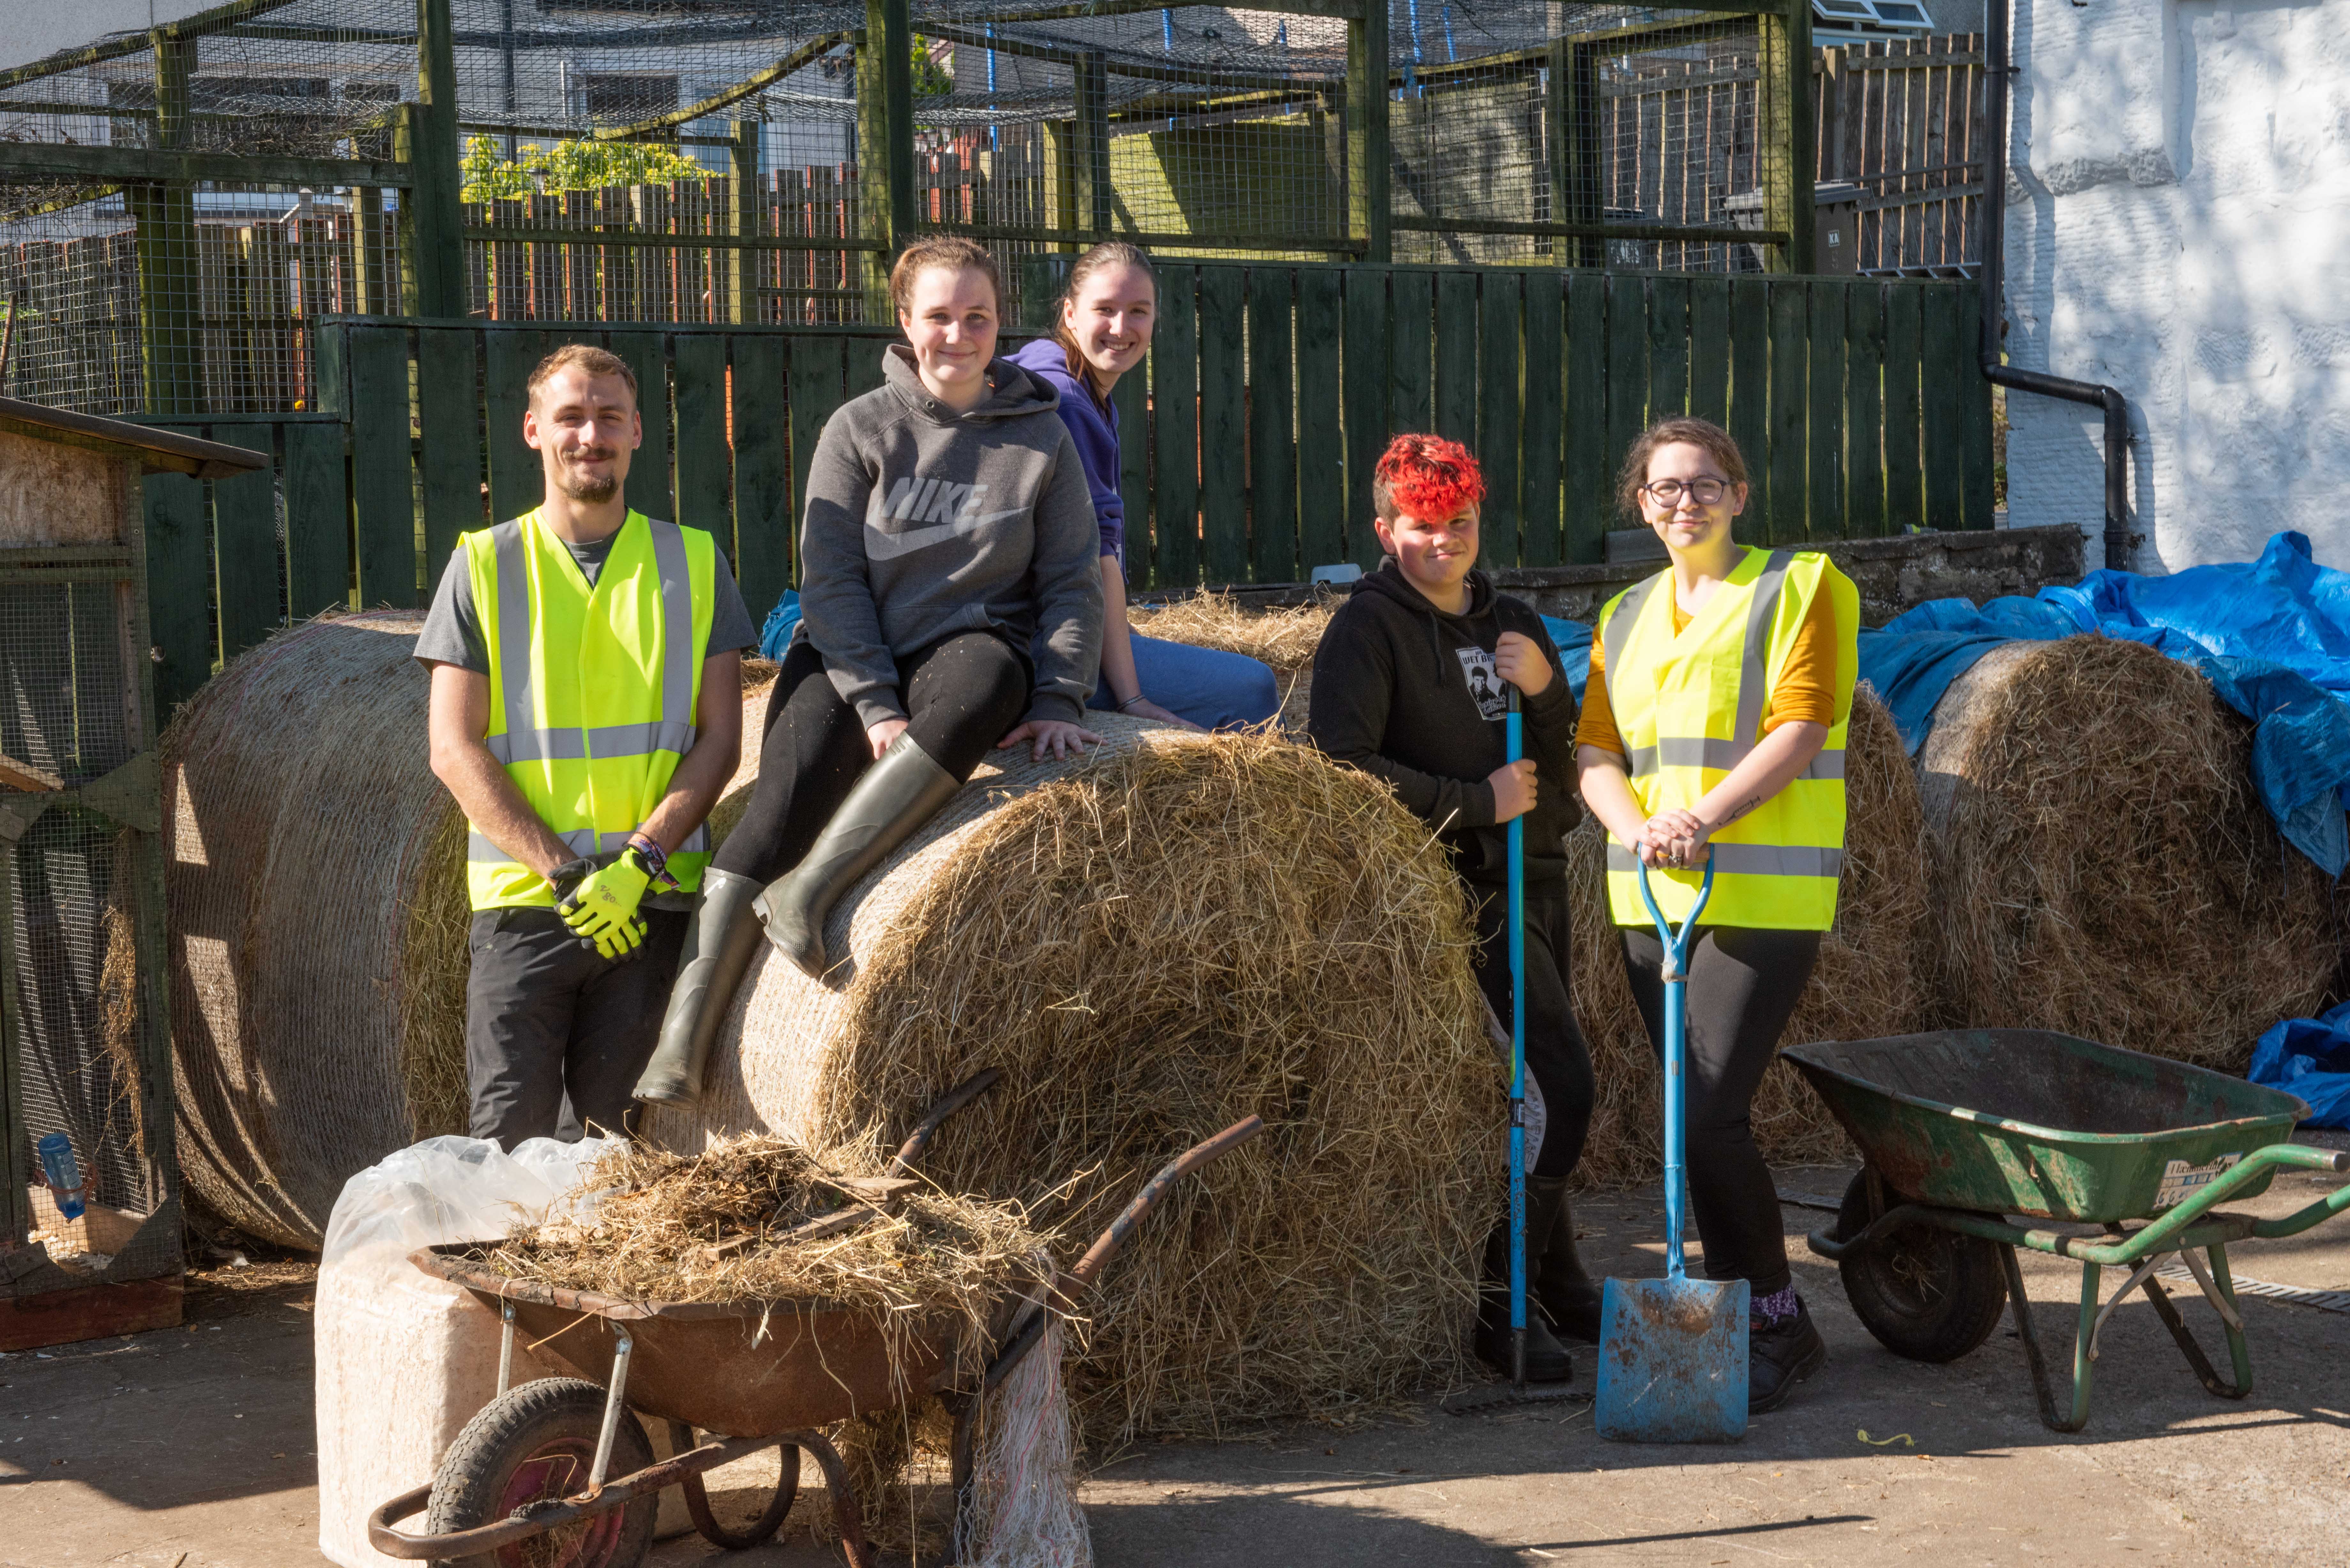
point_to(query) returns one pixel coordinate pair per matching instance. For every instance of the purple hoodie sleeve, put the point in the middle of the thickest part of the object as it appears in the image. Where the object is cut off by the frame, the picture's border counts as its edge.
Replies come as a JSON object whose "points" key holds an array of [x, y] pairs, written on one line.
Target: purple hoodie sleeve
{"points": [[1093, 429]]}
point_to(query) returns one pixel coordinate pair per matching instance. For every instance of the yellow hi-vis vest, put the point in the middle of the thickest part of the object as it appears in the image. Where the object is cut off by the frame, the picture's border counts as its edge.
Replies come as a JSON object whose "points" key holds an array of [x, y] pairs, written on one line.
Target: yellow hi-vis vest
{"points": [[592, 692], [1691, 706]]}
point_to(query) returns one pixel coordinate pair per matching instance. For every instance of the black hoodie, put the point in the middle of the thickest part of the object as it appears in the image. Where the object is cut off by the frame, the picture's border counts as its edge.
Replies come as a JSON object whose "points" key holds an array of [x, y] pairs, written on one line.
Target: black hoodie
{"points": [[1409, 694]]}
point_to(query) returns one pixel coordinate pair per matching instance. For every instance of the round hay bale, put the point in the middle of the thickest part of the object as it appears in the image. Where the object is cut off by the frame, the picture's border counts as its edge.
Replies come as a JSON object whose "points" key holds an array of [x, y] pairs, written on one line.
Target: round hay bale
{"points": [[1866, 985], [2103, 864], [1285, 639], [1178, 934], [316, 895], [316, 889]]}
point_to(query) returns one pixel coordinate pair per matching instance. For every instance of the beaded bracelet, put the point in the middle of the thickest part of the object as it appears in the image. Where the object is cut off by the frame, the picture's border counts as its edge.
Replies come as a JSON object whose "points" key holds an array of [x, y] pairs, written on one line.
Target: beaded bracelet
{"points": [[655, 857]]}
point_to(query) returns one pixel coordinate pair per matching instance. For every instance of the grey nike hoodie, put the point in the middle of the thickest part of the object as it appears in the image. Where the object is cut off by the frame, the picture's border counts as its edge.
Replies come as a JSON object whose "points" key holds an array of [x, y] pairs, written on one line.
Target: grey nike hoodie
{"points": [[922, 522]]}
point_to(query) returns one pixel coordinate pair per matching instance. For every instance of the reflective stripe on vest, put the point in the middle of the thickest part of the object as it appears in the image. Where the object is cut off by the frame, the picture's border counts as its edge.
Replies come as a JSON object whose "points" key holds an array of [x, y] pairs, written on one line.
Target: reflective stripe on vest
{"points": [[1690, 707], [587, 843], [629, 649]]}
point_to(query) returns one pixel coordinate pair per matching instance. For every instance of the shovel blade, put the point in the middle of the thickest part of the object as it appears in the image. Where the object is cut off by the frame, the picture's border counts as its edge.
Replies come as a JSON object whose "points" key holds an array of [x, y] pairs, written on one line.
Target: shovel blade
{"points": [[1672, 1361]]}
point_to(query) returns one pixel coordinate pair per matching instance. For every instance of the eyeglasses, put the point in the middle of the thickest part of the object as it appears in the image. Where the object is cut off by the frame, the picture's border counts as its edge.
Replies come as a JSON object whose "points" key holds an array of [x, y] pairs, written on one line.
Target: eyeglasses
{"points": [[1669, 491]]}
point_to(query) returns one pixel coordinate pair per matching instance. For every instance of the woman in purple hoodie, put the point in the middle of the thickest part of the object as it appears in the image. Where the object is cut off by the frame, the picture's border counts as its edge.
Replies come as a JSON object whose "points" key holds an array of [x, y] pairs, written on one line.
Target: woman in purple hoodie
{"points": [[1103, 332]]}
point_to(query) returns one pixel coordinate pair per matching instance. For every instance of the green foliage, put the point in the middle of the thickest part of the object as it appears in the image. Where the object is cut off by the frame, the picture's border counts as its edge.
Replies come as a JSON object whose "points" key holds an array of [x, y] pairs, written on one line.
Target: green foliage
{"points": [[570, 166], [931, 77]]}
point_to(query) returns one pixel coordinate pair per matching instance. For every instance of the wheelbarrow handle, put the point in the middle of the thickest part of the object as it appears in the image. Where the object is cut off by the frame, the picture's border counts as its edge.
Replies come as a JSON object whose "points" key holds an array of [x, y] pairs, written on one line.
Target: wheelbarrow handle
{"points": [[1062, 1295], [956, 1098], [1080, 1279]]}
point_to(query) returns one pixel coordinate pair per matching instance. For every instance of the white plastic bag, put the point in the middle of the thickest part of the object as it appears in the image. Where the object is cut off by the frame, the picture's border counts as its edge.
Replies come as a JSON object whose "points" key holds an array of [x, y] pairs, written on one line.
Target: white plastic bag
{"points": [[405, 1360]]}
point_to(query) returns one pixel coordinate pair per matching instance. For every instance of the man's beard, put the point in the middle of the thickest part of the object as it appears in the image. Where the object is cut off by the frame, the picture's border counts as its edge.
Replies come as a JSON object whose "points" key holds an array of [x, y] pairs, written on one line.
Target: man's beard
{"points": [[579, 487]]}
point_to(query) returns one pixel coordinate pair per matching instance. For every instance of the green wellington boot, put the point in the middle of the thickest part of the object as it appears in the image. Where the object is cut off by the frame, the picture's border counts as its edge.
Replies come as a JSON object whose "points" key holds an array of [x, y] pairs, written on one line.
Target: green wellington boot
{"points": [[1569, 1295], [896, 796], [719, 946]]}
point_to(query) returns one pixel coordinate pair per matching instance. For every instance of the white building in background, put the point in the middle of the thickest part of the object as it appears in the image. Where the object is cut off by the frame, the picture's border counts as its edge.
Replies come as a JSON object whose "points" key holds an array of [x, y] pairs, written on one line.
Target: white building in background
{"points": [[2178, 227]]}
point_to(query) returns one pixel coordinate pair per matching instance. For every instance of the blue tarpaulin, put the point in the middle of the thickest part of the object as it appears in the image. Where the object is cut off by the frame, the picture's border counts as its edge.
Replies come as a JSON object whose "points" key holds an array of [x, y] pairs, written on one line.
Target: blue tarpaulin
{"points": [[781, 621], [2272, 636], [1572, 640], [2310, 1057]]}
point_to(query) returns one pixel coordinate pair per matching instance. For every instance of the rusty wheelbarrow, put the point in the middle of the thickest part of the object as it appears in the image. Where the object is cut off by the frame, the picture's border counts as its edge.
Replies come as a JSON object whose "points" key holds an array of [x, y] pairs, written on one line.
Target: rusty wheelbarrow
{"points": [[538, 1460]]}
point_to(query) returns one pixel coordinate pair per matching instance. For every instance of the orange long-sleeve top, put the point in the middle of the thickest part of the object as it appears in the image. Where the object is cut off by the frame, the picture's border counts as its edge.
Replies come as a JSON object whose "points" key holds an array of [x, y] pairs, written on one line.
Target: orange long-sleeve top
{"points": [[1806, 691]]}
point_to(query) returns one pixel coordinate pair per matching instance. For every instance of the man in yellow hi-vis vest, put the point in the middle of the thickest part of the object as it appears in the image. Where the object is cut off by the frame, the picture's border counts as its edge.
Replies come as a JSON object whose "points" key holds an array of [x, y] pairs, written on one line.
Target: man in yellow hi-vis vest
{"points": [[586, 713]]}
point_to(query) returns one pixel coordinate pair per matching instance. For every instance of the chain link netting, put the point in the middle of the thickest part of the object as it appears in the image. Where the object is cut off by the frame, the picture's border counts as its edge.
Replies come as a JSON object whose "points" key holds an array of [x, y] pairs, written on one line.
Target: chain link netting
{"points": [[81, 1037], [688, 161]]}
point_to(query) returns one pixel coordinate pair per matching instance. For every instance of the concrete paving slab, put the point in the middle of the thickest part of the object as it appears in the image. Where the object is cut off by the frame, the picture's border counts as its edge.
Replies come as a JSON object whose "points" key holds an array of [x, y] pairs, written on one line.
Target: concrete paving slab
{"points": [[192, 1448]]}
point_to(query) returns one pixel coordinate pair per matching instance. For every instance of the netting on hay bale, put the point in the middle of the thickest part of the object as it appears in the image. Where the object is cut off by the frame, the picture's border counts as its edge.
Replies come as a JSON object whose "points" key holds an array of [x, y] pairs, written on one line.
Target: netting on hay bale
{"points": [[2102, 864]]}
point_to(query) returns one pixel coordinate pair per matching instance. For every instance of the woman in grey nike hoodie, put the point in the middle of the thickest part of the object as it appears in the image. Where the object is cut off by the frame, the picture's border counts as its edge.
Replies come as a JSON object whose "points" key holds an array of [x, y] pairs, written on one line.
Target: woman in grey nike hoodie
{"points": [[948, 532]]}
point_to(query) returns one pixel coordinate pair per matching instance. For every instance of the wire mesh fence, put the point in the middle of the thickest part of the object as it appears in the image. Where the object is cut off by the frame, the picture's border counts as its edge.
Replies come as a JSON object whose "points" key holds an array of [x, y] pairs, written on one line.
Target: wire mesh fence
{"points": [[727, 161], [78, 1039]]}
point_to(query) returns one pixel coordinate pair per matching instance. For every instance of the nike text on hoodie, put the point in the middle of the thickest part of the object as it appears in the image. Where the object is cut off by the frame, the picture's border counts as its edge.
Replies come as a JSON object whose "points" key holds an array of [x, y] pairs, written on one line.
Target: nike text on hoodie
{"points": [[922, 523]]}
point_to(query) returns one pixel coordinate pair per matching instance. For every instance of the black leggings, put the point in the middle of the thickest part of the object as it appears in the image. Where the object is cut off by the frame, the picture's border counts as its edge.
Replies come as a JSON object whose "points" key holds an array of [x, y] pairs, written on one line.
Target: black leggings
{"points": [[1742, 988], [1558, 1062], [962, 695]]}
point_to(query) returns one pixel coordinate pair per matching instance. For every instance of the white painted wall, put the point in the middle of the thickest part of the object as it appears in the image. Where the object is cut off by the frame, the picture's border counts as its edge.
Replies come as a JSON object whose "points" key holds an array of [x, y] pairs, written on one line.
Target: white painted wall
{"points": [[2179, 227]]}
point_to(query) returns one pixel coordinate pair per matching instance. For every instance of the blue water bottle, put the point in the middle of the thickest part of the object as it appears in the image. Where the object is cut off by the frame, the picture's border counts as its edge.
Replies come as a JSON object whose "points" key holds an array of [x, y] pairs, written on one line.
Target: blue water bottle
{"points": [[64, 1173]]}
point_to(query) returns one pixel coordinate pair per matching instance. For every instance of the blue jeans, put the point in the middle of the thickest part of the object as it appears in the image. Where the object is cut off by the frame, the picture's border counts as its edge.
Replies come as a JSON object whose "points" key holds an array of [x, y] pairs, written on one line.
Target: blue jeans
{"points": [[1214, 689]]}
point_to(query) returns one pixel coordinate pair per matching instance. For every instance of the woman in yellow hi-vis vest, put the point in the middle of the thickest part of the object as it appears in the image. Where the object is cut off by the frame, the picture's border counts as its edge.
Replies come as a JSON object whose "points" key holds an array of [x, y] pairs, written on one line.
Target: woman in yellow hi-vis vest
{"points": [[1713, 728]]}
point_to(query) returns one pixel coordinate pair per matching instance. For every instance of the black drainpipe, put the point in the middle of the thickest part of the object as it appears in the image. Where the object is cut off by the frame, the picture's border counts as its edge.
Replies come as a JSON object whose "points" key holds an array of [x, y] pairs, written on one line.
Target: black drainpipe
{"points": [[1994, 239]]}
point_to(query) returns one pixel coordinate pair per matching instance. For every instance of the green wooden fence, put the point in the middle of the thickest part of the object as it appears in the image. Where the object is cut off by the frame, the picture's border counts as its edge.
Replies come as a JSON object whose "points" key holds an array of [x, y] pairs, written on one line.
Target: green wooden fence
{"points": [[229, 561], [1271, 390]]}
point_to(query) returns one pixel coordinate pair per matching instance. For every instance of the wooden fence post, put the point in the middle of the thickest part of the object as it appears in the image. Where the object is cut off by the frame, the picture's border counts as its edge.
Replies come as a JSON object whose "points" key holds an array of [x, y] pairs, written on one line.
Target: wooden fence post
{"points": [[1366, 132], [743, 190], [1092, 148], [885, 142], [1062, 160], [1785, 133], [170, 332], [1330, 124], [436, 230], [1575, 165]]}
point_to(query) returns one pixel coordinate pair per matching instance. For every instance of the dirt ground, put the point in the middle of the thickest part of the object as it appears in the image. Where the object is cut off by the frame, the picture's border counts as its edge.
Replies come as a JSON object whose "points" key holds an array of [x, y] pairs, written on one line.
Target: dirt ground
{"points": [[192, 1448]]}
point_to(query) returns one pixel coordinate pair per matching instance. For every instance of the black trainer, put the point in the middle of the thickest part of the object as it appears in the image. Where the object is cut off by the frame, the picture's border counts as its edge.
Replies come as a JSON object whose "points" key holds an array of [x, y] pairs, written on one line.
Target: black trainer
{"points": [[1781, 1351]]}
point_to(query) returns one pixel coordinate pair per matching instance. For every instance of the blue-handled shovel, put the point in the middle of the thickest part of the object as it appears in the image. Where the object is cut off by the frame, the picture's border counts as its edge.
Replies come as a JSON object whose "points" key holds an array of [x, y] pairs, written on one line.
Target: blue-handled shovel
{"points": [[1672, 1352]]}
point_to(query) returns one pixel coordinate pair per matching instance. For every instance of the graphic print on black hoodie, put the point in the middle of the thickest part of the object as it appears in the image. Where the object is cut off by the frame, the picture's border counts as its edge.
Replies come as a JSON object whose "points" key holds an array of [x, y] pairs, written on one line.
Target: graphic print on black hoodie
{"points": [[1411, 695]]}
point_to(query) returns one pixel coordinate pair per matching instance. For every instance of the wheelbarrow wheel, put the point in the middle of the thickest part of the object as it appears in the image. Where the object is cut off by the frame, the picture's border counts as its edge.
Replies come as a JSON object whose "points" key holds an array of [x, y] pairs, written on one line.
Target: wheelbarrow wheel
{"points": [[760, 1530], [534, 1444], [1926, 1294]]}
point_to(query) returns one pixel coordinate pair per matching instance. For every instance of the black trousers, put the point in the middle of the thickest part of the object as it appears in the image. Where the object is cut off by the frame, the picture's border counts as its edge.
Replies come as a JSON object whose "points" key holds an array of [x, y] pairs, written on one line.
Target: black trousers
{"points": [[1558, 1060], [961, 694], [1742, 988], [548, 1022]]}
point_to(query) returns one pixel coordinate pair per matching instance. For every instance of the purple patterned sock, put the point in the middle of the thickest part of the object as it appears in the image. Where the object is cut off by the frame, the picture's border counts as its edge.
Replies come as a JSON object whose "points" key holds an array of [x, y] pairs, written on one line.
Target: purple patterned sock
{"points": [[1782, 1302]]}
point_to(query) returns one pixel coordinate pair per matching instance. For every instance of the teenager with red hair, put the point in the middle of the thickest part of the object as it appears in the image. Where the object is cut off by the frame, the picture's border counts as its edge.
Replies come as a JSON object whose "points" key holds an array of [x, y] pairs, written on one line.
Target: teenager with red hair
{"points": [[1409, 686]]}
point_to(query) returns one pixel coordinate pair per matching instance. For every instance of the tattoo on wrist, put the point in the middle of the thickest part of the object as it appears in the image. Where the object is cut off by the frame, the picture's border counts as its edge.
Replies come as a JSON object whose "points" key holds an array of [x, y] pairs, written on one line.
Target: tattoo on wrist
{"points": [[1742, 810]]}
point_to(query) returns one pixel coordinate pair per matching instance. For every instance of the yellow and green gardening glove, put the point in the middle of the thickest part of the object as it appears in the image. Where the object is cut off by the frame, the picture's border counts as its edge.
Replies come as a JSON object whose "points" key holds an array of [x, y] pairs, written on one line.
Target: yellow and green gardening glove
{"points": [[602, 908]]}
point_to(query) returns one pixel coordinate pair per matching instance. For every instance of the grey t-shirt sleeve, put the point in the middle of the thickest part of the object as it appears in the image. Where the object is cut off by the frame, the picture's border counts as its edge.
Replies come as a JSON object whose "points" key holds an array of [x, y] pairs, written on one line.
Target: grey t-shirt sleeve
{"points": [[731, 628], [452, 628]]}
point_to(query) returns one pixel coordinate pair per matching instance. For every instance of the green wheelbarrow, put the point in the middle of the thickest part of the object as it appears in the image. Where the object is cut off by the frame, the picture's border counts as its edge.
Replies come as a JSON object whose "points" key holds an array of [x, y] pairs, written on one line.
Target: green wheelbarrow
{"points": [[1971, 1135]]}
